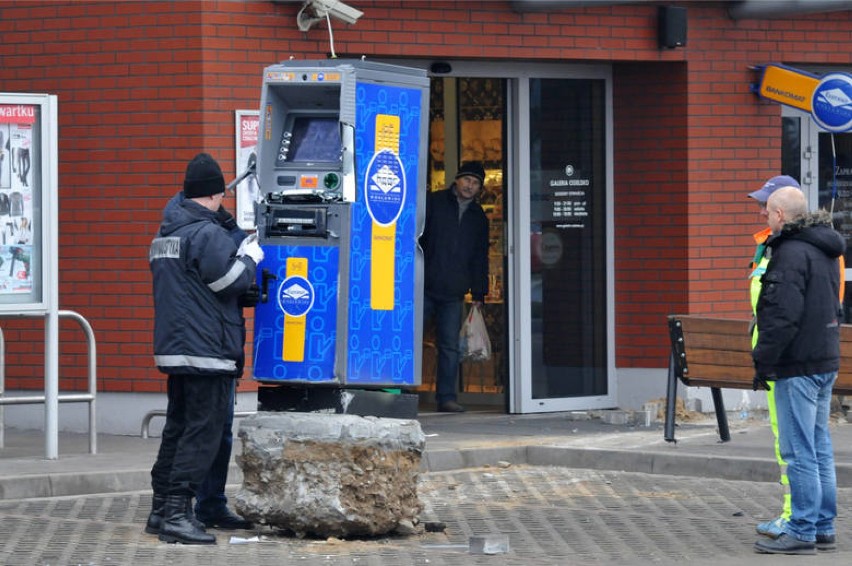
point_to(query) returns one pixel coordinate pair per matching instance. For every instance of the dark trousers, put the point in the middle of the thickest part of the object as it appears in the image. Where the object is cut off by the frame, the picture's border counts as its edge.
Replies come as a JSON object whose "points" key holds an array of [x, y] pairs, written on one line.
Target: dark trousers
{"points": [[195, 417], [448, 319], [210, 498]]}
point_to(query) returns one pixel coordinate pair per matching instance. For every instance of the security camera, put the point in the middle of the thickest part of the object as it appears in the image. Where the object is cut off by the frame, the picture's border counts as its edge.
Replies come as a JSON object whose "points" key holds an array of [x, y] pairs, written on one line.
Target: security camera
{"points": [[314, 11]]}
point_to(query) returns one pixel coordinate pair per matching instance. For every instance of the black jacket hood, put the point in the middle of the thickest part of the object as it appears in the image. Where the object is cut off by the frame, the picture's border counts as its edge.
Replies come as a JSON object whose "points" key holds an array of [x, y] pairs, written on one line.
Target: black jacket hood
{"points": [[814, 228]]}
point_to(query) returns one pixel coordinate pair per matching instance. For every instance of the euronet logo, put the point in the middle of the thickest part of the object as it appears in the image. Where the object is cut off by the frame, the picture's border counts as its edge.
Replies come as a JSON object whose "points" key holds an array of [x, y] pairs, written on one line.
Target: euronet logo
{"points": [[296, 296], [835, 97], [296, 292], [386, 181]]}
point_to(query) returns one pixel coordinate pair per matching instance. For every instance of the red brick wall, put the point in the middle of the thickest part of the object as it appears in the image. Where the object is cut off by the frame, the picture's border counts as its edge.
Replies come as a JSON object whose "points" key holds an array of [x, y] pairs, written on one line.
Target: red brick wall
{"points": [[651, 198], [143, 86]]}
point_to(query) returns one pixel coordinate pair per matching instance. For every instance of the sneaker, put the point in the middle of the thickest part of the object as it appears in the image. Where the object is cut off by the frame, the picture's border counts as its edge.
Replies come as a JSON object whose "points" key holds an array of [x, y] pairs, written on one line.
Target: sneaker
{"points": [[450, 407], [771, 529], [826, 542], [785, 544]]}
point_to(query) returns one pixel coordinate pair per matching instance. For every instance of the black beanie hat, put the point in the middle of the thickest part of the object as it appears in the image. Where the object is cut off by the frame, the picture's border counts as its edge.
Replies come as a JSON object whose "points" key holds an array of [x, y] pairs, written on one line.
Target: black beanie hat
{"points": [[472, 168], [203, 177]]}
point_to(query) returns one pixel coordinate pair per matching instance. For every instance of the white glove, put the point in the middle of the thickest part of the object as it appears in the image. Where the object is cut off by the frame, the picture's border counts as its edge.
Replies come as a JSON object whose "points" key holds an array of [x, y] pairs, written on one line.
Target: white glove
{"points": [[254, 251], [251, 248], [246, 241]]}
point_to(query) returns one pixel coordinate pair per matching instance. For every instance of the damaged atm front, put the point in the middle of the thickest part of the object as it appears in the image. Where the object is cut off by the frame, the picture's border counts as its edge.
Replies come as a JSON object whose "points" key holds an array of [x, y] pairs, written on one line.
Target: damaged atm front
{"points": [[341, 169]]}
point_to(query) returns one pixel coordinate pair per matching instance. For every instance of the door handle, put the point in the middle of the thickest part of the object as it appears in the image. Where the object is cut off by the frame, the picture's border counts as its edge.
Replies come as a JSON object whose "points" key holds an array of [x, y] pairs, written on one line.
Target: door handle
{"points": [[266, 276]]}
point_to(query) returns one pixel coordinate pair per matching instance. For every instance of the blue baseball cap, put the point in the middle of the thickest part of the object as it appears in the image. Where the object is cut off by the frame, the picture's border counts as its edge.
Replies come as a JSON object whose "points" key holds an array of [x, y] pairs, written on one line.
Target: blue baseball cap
{"points": [[772, 185]]}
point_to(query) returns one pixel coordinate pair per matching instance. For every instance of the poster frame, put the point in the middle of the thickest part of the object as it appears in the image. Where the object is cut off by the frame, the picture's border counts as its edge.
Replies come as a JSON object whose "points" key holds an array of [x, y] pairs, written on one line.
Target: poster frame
{"points": [[44, 223], [247, 189]]}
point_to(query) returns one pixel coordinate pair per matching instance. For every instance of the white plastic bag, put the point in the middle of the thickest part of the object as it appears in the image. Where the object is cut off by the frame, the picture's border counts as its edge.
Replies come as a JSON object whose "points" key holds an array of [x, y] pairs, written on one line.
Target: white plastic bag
{"points": [[474, 343]]}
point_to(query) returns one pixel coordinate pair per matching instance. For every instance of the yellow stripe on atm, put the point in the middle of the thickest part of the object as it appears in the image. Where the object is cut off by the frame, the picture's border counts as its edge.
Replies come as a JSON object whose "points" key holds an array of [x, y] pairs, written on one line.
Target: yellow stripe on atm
{"points": [[382, 266], [294, 326]]}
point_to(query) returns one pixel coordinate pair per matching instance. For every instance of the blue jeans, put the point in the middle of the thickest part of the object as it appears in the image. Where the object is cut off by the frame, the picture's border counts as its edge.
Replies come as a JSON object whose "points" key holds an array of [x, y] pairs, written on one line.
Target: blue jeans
{"points": [[804, 405], [210, 497], [448, 320]]}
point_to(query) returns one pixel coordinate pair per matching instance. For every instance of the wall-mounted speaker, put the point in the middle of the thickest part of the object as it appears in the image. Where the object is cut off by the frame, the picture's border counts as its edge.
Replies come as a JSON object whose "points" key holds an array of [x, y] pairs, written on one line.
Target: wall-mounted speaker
{"points": [[671, 27]]}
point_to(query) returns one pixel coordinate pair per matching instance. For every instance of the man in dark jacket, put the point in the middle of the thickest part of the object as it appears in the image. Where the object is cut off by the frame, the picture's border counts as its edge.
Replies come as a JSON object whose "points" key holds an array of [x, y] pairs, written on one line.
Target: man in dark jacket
{"points": [[798, 349], [211, 503], [455, 249], [199, 276]]}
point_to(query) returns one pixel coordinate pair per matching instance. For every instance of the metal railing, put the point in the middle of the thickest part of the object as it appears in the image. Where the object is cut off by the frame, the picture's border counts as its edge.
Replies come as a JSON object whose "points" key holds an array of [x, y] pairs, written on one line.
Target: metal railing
{"points": [[146, 420], [89, 397]]}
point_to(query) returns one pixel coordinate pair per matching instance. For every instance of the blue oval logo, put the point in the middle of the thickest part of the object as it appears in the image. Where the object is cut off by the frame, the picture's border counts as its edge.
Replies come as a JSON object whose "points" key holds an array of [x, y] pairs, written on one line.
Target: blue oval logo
{"points": [[296, 296], [832, 102], [384, 187]]}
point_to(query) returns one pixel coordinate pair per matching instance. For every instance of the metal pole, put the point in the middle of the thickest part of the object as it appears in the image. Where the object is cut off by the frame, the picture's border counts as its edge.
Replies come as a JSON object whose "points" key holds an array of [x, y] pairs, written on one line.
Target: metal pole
{"points": [[671, 400], [721, 415], [51, 386], [50, 247]]}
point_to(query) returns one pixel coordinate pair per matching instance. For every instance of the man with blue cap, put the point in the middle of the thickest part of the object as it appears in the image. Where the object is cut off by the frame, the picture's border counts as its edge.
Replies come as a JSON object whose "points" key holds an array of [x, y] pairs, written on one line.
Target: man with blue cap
{"points": [[774, 527]]}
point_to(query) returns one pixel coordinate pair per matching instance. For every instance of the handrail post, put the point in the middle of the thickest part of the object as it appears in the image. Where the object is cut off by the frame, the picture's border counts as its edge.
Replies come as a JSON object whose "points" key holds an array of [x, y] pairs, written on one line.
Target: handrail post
{"points": [[93, 376], [51, 385], [51, 397]]}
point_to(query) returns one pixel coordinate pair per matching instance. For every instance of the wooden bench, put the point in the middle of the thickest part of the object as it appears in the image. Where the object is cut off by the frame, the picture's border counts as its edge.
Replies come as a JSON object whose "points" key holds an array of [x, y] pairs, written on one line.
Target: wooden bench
{"points": [[716, 353]]}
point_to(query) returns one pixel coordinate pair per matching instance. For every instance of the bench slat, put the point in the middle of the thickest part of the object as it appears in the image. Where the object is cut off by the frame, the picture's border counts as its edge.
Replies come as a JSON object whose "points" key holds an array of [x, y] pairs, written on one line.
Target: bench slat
{"points": [[719, 342], [714, 325], [718, 353], [739, 362]]}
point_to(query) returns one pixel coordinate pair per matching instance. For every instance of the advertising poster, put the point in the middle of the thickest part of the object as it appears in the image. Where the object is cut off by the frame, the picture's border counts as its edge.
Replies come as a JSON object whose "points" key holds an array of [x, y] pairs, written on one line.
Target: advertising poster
{"points": [[247, 190], [16, 197]]}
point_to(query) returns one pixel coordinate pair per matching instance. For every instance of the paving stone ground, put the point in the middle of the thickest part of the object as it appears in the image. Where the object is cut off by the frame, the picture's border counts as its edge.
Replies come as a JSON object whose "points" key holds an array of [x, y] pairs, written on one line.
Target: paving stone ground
{"points": [[551, 515]]}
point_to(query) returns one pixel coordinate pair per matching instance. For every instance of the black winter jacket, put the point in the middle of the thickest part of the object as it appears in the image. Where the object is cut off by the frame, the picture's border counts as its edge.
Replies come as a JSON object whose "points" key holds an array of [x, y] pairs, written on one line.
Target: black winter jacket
{"points": [[198, 279], [798, 311], [455, 252]]}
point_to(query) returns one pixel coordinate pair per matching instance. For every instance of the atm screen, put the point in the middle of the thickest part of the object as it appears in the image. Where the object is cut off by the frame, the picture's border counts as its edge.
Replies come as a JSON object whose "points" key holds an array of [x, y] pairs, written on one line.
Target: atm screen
{"points": [[313, 139]]}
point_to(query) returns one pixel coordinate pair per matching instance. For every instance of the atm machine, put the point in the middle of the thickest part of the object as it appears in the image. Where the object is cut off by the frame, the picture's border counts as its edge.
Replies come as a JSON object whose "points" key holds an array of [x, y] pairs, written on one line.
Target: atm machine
{"points": [[341, 170]]}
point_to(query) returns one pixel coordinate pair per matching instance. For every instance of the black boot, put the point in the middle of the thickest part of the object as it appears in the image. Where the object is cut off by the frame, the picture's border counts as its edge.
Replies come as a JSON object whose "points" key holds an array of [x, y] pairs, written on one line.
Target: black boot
{"points": [[155, 518], [190, 514], [177, 526]]}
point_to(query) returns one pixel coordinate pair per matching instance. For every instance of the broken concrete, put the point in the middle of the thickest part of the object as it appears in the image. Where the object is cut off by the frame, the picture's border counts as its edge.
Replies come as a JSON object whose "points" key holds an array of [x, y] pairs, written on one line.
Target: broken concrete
{"points": [[329, 474]]}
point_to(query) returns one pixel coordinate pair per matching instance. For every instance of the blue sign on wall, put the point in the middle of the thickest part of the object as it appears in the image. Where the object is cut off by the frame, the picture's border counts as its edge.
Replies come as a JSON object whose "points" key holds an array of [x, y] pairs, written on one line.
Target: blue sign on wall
{"points": [[832, 102]]}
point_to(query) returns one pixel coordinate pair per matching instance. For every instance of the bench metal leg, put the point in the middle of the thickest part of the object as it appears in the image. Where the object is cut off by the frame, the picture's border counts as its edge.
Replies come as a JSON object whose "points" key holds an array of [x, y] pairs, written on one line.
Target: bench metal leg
{"points": [[671, 401], [721, 415]]}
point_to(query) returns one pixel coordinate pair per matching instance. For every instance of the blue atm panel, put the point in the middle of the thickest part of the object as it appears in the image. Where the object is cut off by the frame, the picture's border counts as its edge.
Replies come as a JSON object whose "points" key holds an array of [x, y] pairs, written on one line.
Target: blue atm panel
{"points": [[341, 168], [302, 304], [381, 346]]}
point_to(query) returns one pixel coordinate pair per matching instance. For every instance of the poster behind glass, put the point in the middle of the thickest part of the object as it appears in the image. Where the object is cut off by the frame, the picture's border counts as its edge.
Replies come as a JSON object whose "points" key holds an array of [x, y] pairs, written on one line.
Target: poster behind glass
{"points": [[20, 190], [246, 145]]}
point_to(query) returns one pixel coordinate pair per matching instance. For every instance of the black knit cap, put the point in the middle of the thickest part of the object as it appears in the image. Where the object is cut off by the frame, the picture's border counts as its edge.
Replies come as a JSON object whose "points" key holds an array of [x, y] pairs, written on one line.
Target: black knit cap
{"points": [[472, 168], [203, 177]]}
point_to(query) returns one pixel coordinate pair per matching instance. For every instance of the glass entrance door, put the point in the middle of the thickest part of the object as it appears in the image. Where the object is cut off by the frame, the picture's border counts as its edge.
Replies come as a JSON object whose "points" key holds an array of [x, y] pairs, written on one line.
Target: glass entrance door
{"points": [[543, 132], [822, 161], [565, 287], [467, 123]]}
